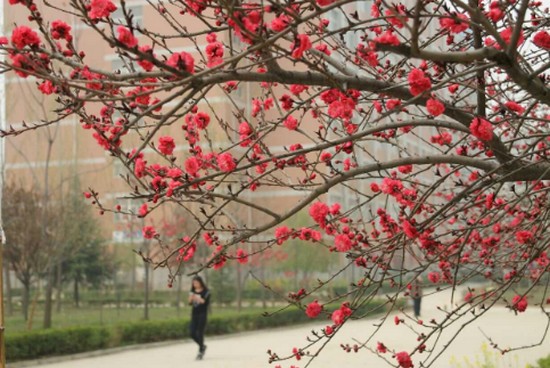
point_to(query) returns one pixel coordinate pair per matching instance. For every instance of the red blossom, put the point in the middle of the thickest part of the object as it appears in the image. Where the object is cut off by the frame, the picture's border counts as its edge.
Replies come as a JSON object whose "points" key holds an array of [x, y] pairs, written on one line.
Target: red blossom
{"points": [[291, 123], [226, 162], [404, 359], [324, 2], [282, 234], [192, 166], [506, 36], [146, 64], [313, 309], [149, 232], [201, 120], [101, 9], [387, 38], [182, 61], [126, 37], [418, 82], [24, 36], [481, 129], [47, 87], [519, 303], [542, 40], [280, 23], [318, 212], [339, 315], [435, 107], [143, 210], [515, 107], [381, 348], [300, 45], [434, 277], [139, 167], [391, 186], [61, 30], [524, 236], [409, 229], [457, 24], [242, 256], [343, 243], [166, 145]]}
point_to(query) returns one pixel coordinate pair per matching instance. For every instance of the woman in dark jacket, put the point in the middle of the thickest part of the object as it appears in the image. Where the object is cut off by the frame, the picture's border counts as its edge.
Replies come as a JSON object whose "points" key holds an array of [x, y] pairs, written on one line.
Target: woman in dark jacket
{"points": [[199, 298]]}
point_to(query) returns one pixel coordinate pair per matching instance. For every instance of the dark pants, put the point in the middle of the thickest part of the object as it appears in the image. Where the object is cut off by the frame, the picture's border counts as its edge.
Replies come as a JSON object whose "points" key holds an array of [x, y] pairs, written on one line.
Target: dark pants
{"points": [[416, 306], [198, 325]]}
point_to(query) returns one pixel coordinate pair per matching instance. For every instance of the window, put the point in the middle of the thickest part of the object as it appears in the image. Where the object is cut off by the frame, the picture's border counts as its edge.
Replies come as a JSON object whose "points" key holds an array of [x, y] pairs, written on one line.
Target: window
{"points": [[136, 11]]}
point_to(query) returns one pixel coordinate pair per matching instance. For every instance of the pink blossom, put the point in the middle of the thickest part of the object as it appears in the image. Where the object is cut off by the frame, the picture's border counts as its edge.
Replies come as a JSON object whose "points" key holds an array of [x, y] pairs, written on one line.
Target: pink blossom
{"points": [[313, 309], [282, 234], [435, 107], [201, 120], [24, 36], [515, 107], [519, 303], [434, 277], [542, 40], [404, 359], [101, 9], [242, 256], [343, 243], [381, 348], [524, 236], [418, 82], [300, 45], [149, 232], [387, 38], [192, 166], [458, 24], [482, 129], [126, 37], [226, 162], [182, 61], [409, 229], [291, 123], [166, 145], [60, 30], [318, 212]]}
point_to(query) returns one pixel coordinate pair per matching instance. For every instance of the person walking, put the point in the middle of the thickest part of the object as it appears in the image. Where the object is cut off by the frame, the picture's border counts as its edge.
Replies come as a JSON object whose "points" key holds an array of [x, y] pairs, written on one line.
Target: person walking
{"points": [[199, 299], [416, 295]]}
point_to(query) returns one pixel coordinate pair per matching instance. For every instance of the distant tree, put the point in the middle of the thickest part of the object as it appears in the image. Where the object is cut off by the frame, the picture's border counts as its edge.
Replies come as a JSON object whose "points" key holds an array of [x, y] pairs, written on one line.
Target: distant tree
{"points": [[85, 261], [27, 251]]}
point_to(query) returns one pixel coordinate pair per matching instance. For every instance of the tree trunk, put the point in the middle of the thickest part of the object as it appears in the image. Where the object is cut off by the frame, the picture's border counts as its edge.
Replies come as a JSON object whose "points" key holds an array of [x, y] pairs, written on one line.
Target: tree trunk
{"points": [[239, 288], [48, 301], [178, 295], [58, 288], [264, 291], [76, 293], [133, 284], [9, 299], [146, 296], [26, 299]]}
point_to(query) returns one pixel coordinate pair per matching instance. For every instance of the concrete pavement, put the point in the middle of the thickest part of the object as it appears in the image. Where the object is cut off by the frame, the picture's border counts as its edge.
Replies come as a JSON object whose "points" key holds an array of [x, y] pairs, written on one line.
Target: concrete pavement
{"points": [[248, 350]]}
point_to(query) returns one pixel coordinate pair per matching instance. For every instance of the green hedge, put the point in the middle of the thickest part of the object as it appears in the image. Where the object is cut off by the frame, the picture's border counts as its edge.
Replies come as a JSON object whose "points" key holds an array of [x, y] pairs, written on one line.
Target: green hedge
{"points": [[32, 345], [44, 343]]}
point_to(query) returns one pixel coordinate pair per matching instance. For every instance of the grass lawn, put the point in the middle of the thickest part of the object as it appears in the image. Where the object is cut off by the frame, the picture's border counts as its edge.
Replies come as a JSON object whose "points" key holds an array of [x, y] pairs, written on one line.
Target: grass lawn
{"points": [[95, 316]]}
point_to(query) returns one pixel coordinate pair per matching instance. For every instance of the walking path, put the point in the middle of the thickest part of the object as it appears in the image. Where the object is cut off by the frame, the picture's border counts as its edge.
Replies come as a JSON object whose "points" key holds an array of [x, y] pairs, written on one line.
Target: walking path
{"points": [[248, 350]]}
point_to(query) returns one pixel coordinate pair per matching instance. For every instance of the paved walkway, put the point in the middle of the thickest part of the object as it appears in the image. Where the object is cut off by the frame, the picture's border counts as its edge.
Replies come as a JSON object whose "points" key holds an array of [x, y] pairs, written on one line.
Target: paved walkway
{"points": [[248, 350]]}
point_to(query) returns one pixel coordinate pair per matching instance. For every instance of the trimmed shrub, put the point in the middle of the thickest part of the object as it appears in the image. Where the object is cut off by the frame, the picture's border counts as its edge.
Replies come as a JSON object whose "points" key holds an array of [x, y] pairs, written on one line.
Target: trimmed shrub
{"points": [[32, 345], [44, 343]]}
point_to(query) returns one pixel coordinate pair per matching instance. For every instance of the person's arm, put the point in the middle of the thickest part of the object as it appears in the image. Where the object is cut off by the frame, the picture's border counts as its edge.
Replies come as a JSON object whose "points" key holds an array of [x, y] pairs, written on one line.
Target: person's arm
{"points": [[199, 299], [191, 298]]}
